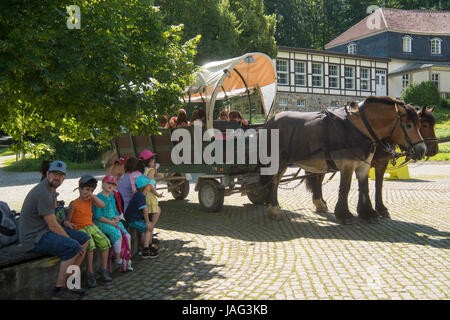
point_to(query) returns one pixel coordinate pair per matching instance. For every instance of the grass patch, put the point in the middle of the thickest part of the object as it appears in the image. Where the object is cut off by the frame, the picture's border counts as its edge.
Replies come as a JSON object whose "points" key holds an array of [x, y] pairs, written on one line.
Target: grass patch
{"points": [[5, 151], [442, 128], [30, 164], [443, 154]]}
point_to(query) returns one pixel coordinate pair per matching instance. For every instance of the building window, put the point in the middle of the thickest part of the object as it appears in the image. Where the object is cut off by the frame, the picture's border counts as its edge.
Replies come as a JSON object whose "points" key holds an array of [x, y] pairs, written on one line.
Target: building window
{"points": [[405, 80], [300, 73], [317, 75], [436, 46], [380, 77], [365, 79], [407, 44], [349, 78], [301, 103], [282, 72], [351, 48], [333, 76], [283, 102], [435, 79]]}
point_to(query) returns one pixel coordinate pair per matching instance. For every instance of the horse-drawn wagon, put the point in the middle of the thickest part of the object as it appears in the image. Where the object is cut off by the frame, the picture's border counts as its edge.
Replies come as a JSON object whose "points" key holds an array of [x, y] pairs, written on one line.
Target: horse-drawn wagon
{"points": [[252, 77], [344, 140]]}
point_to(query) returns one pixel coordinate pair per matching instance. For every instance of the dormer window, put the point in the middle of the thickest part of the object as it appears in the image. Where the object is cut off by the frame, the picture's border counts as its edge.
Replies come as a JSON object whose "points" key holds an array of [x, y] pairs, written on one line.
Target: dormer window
{"points": [[436, 46], [351, 48], [407, 44]]}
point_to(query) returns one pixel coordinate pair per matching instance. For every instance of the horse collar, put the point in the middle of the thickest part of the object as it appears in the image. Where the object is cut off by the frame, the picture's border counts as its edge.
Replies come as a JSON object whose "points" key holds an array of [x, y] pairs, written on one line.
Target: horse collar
{"points": [[373, 134]]}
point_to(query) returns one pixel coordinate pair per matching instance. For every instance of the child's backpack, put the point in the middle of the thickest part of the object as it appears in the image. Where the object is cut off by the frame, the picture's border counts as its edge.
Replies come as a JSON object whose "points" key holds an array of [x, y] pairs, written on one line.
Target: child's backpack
{"points": [[119, 206], [119, 201], [125, 253], [8, 226]]}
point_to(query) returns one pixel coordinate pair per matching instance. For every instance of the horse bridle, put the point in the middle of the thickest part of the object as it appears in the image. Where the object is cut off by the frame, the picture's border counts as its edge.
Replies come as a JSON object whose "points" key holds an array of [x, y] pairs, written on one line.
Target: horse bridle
{"points": [[386, 147]]}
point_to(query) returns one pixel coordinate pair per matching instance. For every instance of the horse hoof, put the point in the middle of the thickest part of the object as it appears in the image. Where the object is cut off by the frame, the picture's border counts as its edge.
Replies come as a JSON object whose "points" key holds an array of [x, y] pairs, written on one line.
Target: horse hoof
{"points": [[384, 214], [274, 212], [277, 212], [321, 207]]}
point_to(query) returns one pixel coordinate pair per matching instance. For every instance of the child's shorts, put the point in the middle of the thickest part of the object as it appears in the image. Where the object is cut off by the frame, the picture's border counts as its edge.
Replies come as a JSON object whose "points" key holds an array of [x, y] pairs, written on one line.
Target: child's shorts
{"points": [[98, 238], [139, 225]]}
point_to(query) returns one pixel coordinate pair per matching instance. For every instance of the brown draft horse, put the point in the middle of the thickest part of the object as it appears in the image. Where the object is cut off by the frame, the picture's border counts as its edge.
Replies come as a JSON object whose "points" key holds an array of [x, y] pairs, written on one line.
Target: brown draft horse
{"points": [[380, 162], [374, 119]]}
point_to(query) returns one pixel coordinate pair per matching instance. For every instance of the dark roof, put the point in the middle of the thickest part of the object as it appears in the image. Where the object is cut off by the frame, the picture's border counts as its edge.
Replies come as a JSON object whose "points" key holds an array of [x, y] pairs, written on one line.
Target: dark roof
{"points": [[330, 53], [388, 19], [419, 65]]}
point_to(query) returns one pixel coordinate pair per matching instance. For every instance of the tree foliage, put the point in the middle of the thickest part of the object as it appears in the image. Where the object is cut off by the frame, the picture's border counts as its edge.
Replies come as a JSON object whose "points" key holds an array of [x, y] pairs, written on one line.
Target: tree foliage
{"points": [[314, 23], [120, 69], [256, 30], [227, 28], [421, 94]]}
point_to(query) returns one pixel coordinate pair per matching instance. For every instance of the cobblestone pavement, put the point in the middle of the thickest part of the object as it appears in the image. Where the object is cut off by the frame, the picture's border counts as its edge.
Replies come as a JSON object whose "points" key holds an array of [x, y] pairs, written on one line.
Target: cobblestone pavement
{"points": [[240, 253]]}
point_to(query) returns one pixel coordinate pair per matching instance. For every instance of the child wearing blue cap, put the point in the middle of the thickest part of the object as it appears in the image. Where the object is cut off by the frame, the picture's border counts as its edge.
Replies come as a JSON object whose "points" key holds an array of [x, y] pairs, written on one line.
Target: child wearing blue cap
{"points": [[137, 217]]}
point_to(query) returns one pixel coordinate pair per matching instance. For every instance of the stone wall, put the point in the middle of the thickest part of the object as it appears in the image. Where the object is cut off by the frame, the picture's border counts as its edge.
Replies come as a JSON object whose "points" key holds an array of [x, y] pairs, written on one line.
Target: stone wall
{"points": [[313, 102]]}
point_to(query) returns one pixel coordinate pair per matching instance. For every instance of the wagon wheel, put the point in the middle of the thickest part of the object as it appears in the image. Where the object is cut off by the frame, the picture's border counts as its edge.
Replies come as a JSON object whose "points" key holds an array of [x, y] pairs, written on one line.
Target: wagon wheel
{"points": [[179, 190], [258, 196], [211, 195]]}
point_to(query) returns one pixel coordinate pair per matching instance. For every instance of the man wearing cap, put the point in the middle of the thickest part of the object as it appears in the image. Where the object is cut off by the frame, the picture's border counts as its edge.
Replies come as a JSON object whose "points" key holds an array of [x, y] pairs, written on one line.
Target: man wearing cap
{"points": [[40, 232]]}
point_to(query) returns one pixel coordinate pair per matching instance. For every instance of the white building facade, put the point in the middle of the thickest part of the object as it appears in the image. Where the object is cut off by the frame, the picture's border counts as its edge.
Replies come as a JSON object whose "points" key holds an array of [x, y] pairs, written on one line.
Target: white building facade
{"points": [[313, 80]]}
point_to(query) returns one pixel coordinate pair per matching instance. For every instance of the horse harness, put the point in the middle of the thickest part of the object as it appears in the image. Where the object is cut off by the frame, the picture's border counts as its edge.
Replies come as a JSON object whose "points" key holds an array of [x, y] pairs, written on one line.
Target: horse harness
{"points": [[386, 147], [330, 120], [365, 141]]}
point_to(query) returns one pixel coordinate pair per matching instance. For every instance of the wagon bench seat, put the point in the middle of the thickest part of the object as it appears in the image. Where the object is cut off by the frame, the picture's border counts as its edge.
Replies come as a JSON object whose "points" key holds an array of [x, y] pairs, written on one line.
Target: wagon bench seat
{"points": [[25, 275]]}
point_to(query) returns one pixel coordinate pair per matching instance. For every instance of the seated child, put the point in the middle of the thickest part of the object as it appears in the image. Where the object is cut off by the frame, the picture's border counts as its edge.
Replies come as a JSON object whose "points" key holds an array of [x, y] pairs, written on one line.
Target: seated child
{"points": [[107, 220], [80, 214], [151, 197], [137, 217]]}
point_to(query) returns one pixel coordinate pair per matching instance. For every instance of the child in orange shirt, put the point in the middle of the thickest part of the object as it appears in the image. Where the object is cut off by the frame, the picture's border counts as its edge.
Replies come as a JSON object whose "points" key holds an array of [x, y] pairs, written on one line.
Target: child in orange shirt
{"points": [[80, 214]]}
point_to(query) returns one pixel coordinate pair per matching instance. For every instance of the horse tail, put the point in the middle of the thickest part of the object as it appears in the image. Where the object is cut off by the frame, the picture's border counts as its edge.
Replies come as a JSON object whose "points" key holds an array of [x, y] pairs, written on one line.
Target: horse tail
{"points": [[314, 182]]}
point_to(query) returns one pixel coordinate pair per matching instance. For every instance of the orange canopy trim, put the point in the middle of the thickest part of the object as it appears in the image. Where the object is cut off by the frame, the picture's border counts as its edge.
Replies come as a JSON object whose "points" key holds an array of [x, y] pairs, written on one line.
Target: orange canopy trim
{"points": [[227, 78]]}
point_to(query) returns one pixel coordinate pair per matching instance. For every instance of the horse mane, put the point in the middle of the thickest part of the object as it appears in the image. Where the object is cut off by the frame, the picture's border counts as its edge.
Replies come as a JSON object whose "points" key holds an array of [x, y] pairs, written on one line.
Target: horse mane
{"points": [[412, 114], [386, 100], [410, 110]]}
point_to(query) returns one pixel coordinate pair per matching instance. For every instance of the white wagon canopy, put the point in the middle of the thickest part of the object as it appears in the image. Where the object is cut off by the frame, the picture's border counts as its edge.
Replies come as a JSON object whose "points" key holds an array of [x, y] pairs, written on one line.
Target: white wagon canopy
{"points": [[238, 76]]}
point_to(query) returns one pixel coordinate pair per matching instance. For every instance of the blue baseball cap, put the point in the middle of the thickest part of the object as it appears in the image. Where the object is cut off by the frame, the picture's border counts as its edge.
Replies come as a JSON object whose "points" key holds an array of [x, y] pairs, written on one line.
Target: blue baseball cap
{"points": [[142, 181], [57, 166]]}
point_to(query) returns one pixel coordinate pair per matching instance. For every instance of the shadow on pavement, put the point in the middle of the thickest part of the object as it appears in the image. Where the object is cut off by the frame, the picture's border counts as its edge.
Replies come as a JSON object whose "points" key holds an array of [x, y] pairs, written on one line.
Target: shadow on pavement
{"points": [[252, 223], [176, 273], [16, 179]]}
